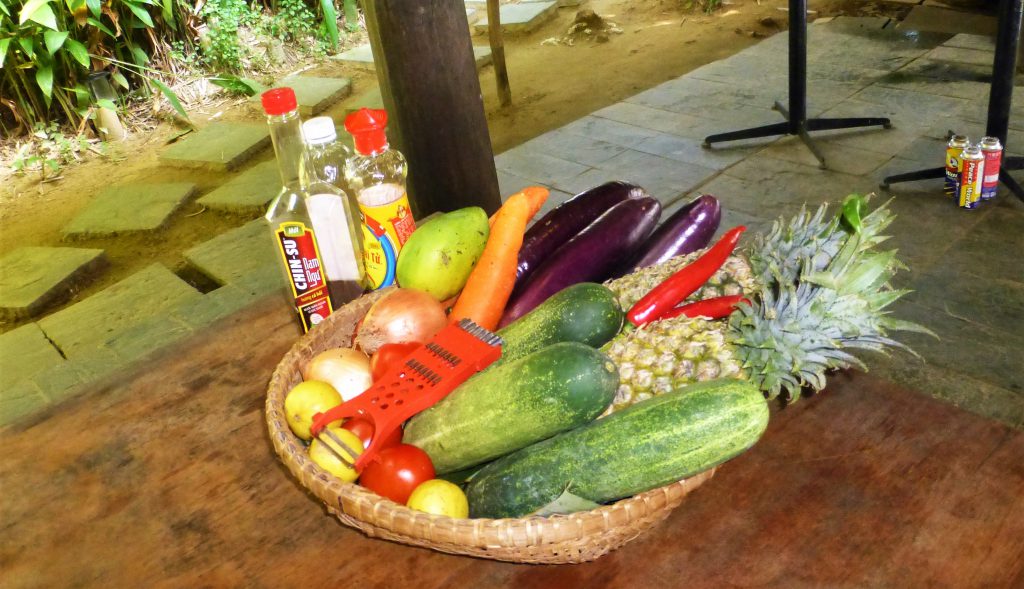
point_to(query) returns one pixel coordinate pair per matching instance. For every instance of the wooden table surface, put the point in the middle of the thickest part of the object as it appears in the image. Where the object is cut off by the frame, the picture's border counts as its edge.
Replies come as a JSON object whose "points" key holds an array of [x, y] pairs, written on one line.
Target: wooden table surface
{"points": [[167, 478]]}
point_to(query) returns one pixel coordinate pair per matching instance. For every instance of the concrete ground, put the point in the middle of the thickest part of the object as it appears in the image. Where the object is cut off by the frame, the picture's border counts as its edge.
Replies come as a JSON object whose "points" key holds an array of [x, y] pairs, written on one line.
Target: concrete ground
{"points": [[969, 286], [964, 266]]}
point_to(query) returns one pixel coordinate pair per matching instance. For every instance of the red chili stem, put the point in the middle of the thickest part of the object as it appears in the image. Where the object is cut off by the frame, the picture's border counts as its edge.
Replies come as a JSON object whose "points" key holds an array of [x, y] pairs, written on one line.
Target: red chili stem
{"points": [[713, 308], [664, 297]]}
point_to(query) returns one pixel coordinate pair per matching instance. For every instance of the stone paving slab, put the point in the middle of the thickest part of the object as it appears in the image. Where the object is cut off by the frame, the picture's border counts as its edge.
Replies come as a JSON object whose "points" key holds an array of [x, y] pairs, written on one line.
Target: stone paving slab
{"points": [[32, 278], [220, 146], [982, 57], [237, 253], [362, 55], [369, 98], [129, 208], [934, 18], [24, 353], [314, 94], [521, 18], [82, 328], [247, 193], [968, 41]]}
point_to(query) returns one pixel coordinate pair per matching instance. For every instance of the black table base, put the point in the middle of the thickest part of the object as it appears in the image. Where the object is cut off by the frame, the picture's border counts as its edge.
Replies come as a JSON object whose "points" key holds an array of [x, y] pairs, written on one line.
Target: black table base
{"points": [[1000, 96], [797, 122]]}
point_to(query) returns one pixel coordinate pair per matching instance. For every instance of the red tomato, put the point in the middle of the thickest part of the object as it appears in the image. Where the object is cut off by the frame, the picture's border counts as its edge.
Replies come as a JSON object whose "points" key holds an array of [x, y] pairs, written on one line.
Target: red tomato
{"points": [[363, 430], [397, 472], [388, 355]]}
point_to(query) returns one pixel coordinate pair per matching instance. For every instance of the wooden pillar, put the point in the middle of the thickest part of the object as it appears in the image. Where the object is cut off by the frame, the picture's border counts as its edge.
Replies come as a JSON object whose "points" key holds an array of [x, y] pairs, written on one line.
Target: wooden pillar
{"points": [[428, 79], [498, 52]]}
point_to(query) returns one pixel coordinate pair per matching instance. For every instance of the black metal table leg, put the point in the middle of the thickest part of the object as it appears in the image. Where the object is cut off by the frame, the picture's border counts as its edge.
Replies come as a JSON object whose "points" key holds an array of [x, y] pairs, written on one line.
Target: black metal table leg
{"points": [[797, 122], [1004, 66]]}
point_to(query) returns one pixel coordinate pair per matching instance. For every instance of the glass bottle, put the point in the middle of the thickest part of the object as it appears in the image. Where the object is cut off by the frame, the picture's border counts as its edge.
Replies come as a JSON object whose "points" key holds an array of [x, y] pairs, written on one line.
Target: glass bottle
{"points": [[376, 175], [290, 223], [335, 215]]}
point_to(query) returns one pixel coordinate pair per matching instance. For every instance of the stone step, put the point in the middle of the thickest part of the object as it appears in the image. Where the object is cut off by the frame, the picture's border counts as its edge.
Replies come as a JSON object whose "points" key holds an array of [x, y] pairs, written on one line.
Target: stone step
{"points": [[34, 278], [521, 18], [94, 323], [248, 193], [129, 208], [220, 146], [240, 252], [314, 94], [24, 353]]}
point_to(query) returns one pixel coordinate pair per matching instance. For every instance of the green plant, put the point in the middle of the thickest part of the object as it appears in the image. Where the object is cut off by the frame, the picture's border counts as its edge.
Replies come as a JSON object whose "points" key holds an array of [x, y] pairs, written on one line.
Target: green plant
{"points": [[48, 150], [49, 47]]}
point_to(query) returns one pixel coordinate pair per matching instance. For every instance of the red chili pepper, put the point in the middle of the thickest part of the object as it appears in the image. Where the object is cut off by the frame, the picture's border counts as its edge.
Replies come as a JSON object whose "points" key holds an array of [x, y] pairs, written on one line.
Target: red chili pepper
{"points": [[685, 282], [713, 308]]}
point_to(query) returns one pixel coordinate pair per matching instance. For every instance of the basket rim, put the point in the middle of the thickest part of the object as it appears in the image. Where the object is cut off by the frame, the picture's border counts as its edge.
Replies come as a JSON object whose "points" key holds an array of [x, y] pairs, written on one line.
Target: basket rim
{"points": [[340, 495]]}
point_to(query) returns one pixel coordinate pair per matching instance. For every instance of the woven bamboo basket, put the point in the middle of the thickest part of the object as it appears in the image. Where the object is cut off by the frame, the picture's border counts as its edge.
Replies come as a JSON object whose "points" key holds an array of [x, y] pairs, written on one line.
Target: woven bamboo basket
{"points": [[556, 539]]}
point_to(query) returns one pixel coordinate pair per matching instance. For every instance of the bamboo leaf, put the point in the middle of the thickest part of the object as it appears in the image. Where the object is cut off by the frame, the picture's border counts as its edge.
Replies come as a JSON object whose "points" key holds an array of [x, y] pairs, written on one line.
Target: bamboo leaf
{"points": [[28, 46], [96, 23], [3, 50], [77, 51], [42, 15], [106, 103], [140, 56], [172, 98], [95, 7], [54, 40], [44, 78], [29, 9], [168, 12], [119, 79], [140, 12], [3, 7]]}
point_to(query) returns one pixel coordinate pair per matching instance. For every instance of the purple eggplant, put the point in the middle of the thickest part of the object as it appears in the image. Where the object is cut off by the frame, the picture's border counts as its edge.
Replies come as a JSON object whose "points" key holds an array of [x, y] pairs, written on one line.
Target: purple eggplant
{"points": [[686, 231], [563, 222], [590, 256]]}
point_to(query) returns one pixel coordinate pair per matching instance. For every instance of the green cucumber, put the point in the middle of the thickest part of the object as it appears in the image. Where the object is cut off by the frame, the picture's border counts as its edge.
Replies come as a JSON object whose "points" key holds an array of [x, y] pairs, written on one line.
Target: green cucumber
{"points": [[586, 312], [648, 445], [514, 405]]}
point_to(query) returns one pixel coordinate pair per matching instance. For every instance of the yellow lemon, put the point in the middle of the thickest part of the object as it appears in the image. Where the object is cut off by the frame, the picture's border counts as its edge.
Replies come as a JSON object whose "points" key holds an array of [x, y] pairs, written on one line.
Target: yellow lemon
{"points": [[327, 460], [305, 400], [439, 497]]}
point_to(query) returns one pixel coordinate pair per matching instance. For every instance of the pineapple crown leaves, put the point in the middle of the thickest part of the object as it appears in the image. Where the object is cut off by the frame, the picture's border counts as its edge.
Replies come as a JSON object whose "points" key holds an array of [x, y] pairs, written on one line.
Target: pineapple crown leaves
{"points": [[824, 288]]}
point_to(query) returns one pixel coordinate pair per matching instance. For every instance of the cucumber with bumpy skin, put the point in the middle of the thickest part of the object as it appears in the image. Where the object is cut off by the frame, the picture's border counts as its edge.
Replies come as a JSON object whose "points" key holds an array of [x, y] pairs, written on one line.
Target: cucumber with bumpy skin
{"points": [[587, 313], [514, 405], [648, 445]]}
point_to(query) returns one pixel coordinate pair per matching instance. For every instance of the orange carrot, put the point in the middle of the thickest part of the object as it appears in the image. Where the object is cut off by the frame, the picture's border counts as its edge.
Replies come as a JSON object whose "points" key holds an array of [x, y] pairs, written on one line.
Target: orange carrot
{"points": [[489, 286]]}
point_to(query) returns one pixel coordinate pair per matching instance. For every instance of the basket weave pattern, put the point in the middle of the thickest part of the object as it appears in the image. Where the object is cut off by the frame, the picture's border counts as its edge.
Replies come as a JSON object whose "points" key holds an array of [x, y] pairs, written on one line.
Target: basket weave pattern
{"points": [[557, 539]]}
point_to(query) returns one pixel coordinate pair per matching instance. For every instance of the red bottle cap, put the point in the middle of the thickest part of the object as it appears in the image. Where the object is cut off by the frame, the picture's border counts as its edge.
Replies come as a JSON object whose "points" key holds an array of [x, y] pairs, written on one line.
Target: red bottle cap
{"points": [[279, 101], [367, 128]]}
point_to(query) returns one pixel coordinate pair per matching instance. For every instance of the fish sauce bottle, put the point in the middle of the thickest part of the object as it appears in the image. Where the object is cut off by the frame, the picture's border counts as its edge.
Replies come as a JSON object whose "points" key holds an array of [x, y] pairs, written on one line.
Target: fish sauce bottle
{"points": [[376, 175], [290, 224], [335, 215]]}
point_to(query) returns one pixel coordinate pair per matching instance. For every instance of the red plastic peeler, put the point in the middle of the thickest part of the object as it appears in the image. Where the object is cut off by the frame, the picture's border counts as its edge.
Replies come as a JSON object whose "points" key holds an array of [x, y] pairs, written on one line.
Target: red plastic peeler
{"points": [[433, 370]]}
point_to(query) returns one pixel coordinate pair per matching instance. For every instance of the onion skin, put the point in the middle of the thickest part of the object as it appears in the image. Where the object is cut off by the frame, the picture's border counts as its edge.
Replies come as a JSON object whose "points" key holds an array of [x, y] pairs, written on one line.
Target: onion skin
{"points": [[345, 369], [402, 315]]}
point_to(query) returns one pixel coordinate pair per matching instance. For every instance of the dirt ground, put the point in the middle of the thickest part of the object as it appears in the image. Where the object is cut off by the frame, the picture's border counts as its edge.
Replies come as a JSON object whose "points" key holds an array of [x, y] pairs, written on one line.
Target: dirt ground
{"points": [[552, 84]]}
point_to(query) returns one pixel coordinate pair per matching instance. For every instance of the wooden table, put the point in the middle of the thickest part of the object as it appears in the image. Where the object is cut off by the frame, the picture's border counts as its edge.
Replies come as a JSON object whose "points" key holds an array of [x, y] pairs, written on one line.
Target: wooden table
{"points": [[167, 478]]}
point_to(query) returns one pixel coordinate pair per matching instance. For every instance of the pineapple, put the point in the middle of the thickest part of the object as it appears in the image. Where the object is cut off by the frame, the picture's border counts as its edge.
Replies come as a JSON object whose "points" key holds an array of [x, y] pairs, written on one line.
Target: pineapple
{"points": [[734, 277], [822, 291]]}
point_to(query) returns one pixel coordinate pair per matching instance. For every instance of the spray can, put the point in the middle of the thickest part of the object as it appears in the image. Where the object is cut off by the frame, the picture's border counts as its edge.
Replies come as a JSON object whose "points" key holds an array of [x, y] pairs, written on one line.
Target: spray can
{"points": [[376, 174], [972, 169], [992, 149], [956, 146]]}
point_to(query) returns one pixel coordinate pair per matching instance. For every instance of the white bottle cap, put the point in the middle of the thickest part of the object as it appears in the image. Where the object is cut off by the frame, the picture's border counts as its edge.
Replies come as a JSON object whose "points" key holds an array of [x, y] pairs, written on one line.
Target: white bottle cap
{"points": [[319, 130]]}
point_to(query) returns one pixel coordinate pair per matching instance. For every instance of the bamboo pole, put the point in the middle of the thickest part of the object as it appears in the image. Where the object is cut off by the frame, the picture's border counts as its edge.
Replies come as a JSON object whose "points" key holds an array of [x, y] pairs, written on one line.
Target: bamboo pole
{"points": [[498, 52]]}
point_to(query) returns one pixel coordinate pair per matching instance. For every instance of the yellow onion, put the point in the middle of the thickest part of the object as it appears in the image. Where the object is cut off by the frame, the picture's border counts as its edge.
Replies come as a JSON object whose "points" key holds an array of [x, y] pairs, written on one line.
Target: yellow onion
{"points": [[402, 315], [345, 369]]}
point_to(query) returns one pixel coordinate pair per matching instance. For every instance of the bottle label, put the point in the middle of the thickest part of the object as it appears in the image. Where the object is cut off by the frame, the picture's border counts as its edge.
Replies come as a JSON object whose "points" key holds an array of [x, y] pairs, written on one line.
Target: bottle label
{"points": [[304, 267], [386, 228]]}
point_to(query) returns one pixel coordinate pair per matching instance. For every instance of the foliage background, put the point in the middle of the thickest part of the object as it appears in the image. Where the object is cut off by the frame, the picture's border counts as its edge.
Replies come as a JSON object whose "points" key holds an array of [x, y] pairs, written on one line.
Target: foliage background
{"points": [[48, 48]]}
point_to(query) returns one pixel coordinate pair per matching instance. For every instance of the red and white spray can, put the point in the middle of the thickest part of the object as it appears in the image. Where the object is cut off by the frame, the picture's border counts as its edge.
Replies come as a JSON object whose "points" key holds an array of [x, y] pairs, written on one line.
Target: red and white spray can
{"points": [[992, 149]]}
